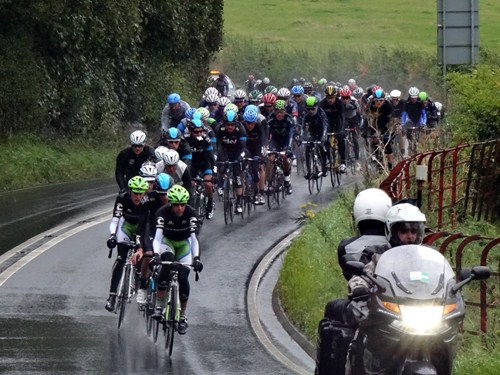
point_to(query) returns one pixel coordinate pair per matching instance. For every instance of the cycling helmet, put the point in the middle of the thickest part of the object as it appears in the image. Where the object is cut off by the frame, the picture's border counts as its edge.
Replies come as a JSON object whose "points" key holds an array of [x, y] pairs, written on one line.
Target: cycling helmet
{"points": [[178, 194], [351, 82], [413, 92], [230, 116], [376, 87], [240, 95], [269, 98], [211, 91], [223, 101], [422, 95], [371, 204], [295, 82], [138, 184], [174, 98], [251, 114], [322, 81], [404, 215], [308, 87], [230, 107], [162, 183], [280, 104], [331, 90], [378, 94], [345, 92], [395, 94], [190, 112], [283, 93], [302, 80], [195, 123], [205, 113], [171, 157], [148, 171], [255, 96], [311, 101], [138, 137], [211, 98], [438, 106], [297, 90], [358, 92], [173, 133], [270, 90], [160, 151], [266, 81]]}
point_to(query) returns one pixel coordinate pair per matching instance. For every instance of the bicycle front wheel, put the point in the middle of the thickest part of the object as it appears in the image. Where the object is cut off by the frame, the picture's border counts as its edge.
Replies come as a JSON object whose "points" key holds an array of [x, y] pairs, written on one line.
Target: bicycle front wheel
{"points": [[170, 320], [227, 205], [312, 177], [123, 294], [317, 170]]}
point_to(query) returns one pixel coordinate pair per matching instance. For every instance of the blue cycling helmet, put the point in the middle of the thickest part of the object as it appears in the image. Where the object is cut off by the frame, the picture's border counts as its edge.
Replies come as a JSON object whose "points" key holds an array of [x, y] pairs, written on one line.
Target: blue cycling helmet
{"points": [[173, 133], [163, 182], [190, 112], [230, 116], [174, 98], [379, 94], [296, 90], [252, 107], [250, 115], [196, 123]]}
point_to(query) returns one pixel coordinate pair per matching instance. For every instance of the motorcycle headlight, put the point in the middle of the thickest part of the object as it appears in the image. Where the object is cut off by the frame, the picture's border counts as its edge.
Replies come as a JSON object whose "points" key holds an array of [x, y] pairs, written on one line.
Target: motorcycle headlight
{"points": [[420, 320]]}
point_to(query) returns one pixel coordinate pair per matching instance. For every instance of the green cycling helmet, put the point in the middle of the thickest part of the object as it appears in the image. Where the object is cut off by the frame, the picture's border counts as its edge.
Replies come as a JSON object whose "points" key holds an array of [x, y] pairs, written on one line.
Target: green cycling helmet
{"points": [[422, 95], [138, 184], [270, 89], [280, 104], [178, 194], [255, 95], [311, 101]]}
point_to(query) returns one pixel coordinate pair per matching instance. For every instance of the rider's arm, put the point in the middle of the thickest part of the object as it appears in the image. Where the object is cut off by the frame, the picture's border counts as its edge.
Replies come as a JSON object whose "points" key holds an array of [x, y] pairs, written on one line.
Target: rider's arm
{"points": [[157, 240], [117, 214], [195, 246], [423, 117]]}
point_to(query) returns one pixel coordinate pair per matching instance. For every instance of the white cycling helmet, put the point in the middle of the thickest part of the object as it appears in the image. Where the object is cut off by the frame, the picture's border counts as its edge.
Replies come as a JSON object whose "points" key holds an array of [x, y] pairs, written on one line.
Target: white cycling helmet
{"points": [[160, 151], [240, 94], [439, 106], [283, 93], [223, 101], [138, 137], [407, 217], [211, 91], [148, 171], [371, 204], [395, 94], [266, 81], [171, 157], [351, 81], [211, 98], [413, 92]]}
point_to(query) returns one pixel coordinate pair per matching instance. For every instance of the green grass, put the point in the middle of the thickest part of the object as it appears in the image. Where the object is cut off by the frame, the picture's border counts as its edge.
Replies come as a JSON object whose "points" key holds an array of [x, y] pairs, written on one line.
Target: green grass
{"points": [[355, 24], [29, 160], [305, 293]]}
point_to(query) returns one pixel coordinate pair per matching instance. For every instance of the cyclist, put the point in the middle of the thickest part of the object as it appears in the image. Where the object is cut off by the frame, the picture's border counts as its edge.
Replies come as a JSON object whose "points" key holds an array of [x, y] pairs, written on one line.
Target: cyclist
{"points": [[125, 229], [352, 84], [399, 107], [173, 112], [414, 114], [431, 111], [148, 171], [221, 84], [309, 90], [219, 113], [250, 83], [281, 130], [352, 117], [299, 100], [255, 97], [156, 198], [203, 159], [240, 101], [208, 96], [291, 107], [267, 106], [173, 139], [175, 168], [380, 112], [231, 143], [256, 140], [130, 159], [335, 114], [175, 240]]}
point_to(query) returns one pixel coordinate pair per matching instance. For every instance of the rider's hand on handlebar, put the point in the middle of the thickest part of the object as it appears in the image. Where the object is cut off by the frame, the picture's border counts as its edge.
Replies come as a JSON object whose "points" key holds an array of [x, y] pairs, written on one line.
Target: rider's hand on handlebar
{"points": [[156, 260], [197, 265], [111, 242]]}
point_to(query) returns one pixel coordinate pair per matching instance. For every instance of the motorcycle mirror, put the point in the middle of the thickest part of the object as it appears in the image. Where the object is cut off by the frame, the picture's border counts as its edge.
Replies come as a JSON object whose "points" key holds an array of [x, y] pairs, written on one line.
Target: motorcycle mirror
{"points": [[465, 274], [355, 268], [480, 273]]}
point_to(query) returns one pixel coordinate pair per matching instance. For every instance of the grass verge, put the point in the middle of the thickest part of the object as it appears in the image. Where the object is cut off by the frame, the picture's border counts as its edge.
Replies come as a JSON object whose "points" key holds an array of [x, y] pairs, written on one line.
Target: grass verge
{"points": [[310, 277]]}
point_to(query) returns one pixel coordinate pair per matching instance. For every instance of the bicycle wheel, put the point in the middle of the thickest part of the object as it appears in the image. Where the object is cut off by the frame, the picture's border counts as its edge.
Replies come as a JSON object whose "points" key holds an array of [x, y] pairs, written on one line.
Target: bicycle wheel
{"points": [[150, 306], [331, 165], [170, 320], [227, 204], [270, 189], [123, 293], [248, 193], [318, 170], [311, 181], [232, 199]]}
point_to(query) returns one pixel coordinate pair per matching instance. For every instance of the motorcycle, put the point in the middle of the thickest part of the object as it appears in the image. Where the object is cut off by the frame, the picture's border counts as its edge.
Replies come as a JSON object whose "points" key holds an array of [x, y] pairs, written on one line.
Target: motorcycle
{"points": [[412, 316]]}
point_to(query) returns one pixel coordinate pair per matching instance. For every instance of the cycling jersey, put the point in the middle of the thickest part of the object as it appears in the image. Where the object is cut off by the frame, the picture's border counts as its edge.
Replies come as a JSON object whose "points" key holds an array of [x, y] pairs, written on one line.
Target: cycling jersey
{"points": [[176, 228], [172, 118], [280, 132], [202, 149], [316, 125], [415, 112], [382, 115], [230, 144], [255, 139], [335, 113]]}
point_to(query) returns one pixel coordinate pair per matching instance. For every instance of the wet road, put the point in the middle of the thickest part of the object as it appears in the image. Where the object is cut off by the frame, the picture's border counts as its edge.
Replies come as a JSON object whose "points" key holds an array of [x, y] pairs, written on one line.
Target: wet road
{"points": [[52, 316]]}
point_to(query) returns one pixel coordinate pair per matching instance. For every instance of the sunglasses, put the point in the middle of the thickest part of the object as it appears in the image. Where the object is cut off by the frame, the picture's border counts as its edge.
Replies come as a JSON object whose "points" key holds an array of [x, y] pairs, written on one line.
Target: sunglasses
{"points": [[311, 109], [250, 122], [346, 98], [378, 100], [230, 124], [330, 97], [137, 146], [279, 111], [268, 105], [297, 96], [197, 131], [174, 141], [161, 193], [407, 230], [178, 204]]}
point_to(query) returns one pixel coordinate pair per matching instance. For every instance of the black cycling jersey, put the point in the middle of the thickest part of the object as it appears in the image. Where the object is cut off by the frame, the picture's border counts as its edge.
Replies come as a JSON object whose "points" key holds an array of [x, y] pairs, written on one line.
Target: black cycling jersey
{"points": [[382, 115], [316, 125], [335, 113], [280, 132], [128, 164], [255, 139], [176, 228], [230, 144], [203, 156]]}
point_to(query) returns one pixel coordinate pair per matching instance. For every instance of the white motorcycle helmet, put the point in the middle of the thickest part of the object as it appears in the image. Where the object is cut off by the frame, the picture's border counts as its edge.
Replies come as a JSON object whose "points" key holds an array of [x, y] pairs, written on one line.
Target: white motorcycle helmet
{"points": [[404, 217], [371, 204], [138, 137]]}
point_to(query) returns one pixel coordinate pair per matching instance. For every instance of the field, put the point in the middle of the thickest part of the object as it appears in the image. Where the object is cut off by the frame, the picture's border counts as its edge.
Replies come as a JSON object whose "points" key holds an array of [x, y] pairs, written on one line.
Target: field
{"points": [[356, 24]]}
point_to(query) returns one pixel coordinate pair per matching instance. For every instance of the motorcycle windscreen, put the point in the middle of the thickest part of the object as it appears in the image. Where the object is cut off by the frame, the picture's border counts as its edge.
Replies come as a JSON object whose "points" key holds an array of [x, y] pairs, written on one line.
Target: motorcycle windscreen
{"points": [[415, 271]]}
